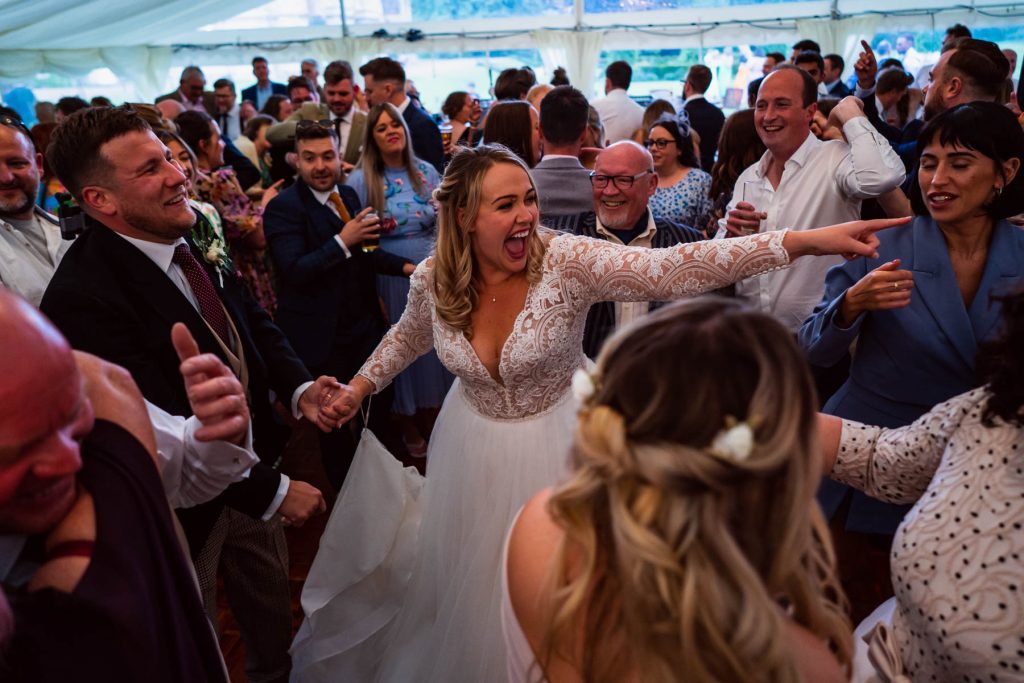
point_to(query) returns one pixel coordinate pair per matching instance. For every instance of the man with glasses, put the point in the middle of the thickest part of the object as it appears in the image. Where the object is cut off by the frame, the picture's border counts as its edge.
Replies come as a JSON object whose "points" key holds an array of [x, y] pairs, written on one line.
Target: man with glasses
{"points": [[30, 242], [622, 183], [328, 305]]}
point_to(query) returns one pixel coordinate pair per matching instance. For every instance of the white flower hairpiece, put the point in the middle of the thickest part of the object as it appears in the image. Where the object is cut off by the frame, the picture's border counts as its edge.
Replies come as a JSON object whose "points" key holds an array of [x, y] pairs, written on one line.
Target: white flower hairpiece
{"points": [[735, 442], [583, 385]]}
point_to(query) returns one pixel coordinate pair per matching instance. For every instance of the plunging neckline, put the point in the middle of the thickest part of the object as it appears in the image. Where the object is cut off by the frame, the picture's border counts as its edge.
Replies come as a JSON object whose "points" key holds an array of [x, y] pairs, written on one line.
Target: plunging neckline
{"points": [[500, 380]]}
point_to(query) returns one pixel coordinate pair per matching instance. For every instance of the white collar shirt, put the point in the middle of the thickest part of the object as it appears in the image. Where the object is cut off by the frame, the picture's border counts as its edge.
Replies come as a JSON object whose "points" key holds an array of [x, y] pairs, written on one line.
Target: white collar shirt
{"points": [[343, 124], [163, 256], [822, 184], [403, 106], [22, 268], [325, 199], [620, 115]]}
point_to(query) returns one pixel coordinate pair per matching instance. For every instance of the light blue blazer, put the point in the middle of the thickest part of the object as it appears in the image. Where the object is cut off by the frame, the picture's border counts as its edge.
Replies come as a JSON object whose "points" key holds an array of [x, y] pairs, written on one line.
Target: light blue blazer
{"points": [[907, 360]]}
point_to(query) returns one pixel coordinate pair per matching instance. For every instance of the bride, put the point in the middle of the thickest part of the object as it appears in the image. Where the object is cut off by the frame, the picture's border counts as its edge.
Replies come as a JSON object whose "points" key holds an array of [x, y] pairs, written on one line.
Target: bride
{"points": [[504, 303]]}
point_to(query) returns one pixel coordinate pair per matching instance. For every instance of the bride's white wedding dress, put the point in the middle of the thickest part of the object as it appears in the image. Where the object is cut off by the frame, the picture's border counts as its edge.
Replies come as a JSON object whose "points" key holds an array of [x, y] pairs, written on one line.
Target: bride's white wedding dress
{"points": [[406, 585]]}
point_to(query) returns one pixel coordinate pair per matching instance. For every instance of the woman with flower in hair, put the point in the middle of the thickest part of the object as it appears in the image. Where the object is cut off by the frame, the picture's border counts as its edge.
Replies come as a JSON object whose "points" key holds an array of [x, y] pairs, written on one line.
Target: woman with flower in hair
{"points": [[413, 594], [682, 194], [685, 545]]}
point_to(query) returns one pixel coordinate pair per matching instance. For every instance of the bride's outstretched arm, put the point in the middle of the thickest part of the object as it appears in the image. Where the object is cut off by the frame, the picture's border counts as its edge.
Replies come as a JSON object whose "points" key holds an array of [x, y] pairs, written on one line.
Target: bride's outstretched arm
{"points": [[604, 271], [408, 339]]}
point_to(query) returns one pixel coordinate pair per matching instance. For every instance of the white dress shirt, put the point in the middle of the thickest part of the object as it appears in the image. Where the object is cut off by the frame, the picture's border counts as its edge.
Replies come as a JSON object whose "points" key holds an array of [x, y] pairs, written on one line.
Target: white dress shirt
{"points": [[23, 269], [344, 128], [230, 122], [822, 184], [620, 115], [325, 199], [162, 255]]}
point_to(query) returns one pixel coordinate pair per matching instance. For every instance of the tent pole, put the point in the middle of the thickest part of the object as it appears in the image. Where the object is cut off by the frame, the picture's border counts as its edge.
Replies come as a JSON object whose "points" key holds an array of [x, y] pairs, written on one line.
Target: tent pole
{"points": [[577, 7], [344, 23]]}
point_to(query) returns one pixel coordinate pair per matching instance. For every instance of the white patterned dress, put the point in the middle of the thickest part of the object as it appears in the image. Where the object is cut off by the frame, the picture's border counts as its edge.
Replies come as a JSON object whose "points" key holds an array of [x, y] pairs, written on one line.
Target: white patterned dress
{"points": [[424, 605], [958, 556]]}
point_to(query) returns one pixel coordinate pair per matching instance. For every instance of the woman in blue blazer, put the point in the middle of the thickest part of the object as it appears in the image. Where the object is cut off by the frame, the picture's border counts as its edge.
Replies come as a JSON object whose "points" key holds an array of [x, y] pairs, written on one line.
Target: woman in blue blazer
{"points": [[919, 311]]}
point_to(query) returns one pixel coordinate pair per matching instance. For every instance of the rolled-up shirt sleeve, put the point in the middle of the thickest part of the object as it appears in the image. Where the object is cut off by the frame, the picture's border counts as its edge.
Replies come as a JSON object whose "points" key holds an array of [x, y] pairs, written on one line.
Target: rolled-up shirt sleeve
{"points": [[193, 471], [872, 167]]}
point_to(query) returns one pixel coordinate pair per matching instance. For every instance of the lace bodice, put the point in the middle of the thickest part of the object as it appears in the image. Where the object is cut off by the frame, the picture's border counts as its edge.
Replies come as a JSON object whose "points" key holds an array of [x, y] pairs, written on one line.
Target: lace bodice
{"points": [[545, 345]]}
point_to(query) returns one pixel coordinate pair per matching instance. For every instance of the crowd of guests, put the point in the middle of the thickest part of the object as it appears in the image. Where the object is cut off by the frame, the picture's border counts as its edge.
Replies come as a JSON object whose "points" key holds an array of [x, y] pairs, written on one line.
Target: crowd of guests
{"points": [[282, 225]]}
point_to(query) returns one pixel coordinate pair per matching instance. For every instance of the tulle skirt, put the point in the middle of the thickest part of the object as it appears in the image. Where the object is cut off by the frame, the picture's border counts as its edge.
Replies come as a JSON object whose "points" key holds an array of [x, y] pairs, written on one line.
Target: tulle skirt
{"points": [[407, 583]]}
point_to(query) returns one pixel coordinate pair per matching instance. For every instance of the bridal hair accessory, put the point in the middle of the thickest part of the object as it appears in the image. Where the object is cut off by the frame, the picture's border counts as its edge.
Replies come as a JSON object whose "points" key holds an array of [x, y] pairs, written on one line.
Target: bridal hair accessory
{"points": [[735, 442], [584, 385]]}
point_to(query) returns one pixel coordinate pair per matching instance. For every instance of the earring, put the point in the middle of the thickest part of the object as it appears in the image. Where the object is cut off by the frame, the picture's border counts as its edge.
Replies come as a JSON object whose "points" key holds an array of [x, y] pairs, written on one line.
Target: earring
{"points": [[998, 191]]}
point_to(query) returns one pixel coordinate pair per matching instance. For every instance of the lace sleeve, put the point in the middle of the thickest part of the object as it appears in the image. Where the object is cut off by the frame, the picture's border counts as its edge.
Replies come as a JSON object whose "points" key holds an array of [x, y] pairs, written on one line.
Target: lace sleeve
{"points": [[896, 465], [597, 270], [408, 339]]}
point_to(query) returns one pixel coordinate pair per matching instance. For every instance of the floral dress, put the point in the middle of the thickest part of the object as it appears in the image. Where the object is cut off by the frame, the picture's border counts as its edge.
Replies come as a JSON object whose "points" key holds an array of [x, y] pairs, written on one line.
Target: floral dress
{"points": [[686, 202], [242, 221]]}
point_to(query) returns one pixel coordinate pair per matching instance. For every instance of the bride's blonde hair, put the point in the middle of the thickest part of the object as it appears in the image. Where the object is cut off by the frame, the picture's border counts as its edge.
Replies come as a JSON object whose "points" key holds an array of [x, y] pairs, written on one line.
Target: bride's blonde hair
{"points": [[680, 561], [455, 294]]}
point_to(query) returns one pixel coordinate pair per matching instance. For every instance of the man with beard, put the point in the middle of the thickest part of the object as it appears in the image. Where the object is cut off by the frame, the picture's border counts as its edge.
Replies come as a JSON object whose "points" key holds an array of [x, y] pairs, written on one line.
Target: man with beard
{"points": [[116, 294], [30, 241], [327, 295], [622, 183], [349, 123]]}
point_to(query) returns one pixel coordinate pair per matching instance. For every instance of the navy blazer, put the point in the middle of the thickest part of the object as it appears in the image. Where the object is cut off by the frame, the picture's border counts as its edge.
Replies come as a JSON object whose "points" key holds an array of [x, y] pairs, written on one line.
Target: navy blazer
{"points": [[324, 299], [426, 138], [277, 88], [908, 360], [707, 120], [111, 300]]}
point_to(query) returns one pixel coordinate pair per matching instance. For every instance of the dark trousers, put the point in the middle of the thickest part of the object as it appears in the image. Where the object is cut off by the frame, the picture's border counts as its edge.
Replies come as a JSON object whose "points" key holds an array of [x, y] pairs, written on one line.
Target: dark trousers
{"points": [[339, 446]]}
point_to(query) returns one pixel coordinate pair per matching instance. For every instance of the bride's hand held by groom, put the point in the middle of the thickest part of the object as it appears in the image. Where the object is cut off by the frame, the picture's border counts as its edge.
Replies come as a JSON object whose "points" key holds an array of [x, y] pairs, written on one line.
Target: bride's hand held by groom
{"points": [[851, 240], [339, 402]]}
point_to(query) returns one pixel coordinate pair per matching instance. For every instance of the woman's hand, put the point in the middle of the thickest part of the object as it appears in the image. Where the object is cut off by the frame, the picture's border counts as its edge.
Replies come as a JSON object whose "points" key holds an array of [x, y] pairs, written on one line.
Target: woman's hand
{"points": [[270, 193], [853, 239], [340, 403], [883, 288]]}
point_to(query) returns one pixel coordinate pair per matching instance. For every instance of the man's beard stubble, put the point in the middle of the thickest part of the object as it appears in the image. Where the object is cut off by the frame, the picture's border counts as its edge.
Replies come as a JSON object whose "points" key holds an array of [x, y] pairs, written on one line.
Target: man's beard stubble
{"points": [[13, 210]]}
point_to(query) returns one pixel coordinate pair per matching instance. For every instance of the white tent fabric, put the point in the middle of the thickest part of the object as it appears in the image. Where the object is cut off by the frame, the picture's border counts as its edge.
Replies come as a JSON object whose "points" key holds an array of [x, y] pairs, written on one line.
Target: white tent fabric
{"points": [[577, 51]]}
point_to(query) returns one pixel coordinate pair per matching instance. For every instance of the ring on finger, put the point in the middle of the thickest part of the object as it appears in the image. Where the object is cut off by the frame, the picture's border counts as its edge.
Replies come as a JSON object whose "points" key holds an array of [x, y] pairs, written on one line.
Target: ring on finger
{"points": [[895, 285]]}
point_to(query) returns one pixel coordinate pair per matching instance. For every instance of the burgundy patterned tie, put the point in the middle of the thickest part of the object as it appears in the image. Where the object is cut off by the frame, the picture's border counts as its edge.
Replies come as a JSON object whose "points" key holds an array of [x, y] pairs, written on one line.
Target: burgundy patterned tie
{"points": [[209, 304]]}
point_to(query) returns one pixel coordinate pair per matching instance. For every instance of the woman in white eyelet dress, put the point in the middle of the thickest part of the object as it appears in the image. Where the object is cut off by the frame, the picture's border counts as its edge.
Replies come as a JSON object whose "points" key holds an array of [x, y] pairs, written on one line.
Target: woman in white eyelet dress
{"points": [[406, 584]]}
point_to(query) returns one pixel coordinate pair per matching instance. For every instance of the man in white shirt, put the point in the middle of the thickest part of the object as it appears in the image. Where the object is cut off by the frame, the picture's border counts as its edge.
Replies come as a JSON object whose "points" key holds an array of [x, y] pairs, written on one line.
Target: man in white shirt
{"points": [[349, 123], [228, 116], [802, 182], [620, 115], [30, 241]]}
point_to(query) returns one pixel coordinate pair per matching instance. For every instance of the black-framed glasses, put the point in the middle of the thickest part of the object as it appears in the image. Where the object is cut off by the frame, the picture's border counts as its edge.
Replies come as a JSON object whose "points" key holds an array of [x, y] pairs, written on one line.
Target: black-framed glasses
{"points": [[623, 182], [660, 144]]}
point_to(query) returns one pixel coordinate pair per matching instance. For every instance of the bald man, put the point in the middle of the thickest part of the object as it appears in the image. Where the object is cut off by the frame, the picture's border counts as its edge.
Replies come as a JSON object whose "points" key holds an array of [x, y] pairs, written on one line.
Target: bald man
{"points": [[622, 184], [89, 553]]}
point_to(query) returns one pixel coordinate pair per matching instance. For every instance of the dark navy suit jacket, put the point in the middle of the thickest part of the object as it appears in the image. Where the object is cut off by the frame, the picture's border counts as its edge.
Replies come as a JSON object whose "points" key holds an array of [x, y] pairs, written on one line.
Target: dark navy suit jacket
{"points": [[325, 300], [907, 360], [250, 92], [426, 138]]}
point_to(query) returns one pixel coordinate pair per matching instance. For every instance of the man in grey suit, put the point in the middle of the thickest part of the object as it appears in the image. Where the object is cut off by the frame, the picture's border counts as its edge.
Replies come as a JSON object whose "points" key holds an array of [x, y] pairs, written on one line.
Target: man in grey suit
{"points": [[340, 93], [192, 92], [563, 185]]}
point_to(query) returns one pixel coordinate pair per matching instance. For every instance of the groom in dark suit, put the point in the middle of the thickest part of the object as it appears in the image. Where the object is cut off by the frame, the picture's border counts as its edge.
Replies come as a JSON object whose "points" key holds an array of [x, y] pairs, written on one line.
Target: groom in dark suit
{"points": [[124, 282], [327, 298]]}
